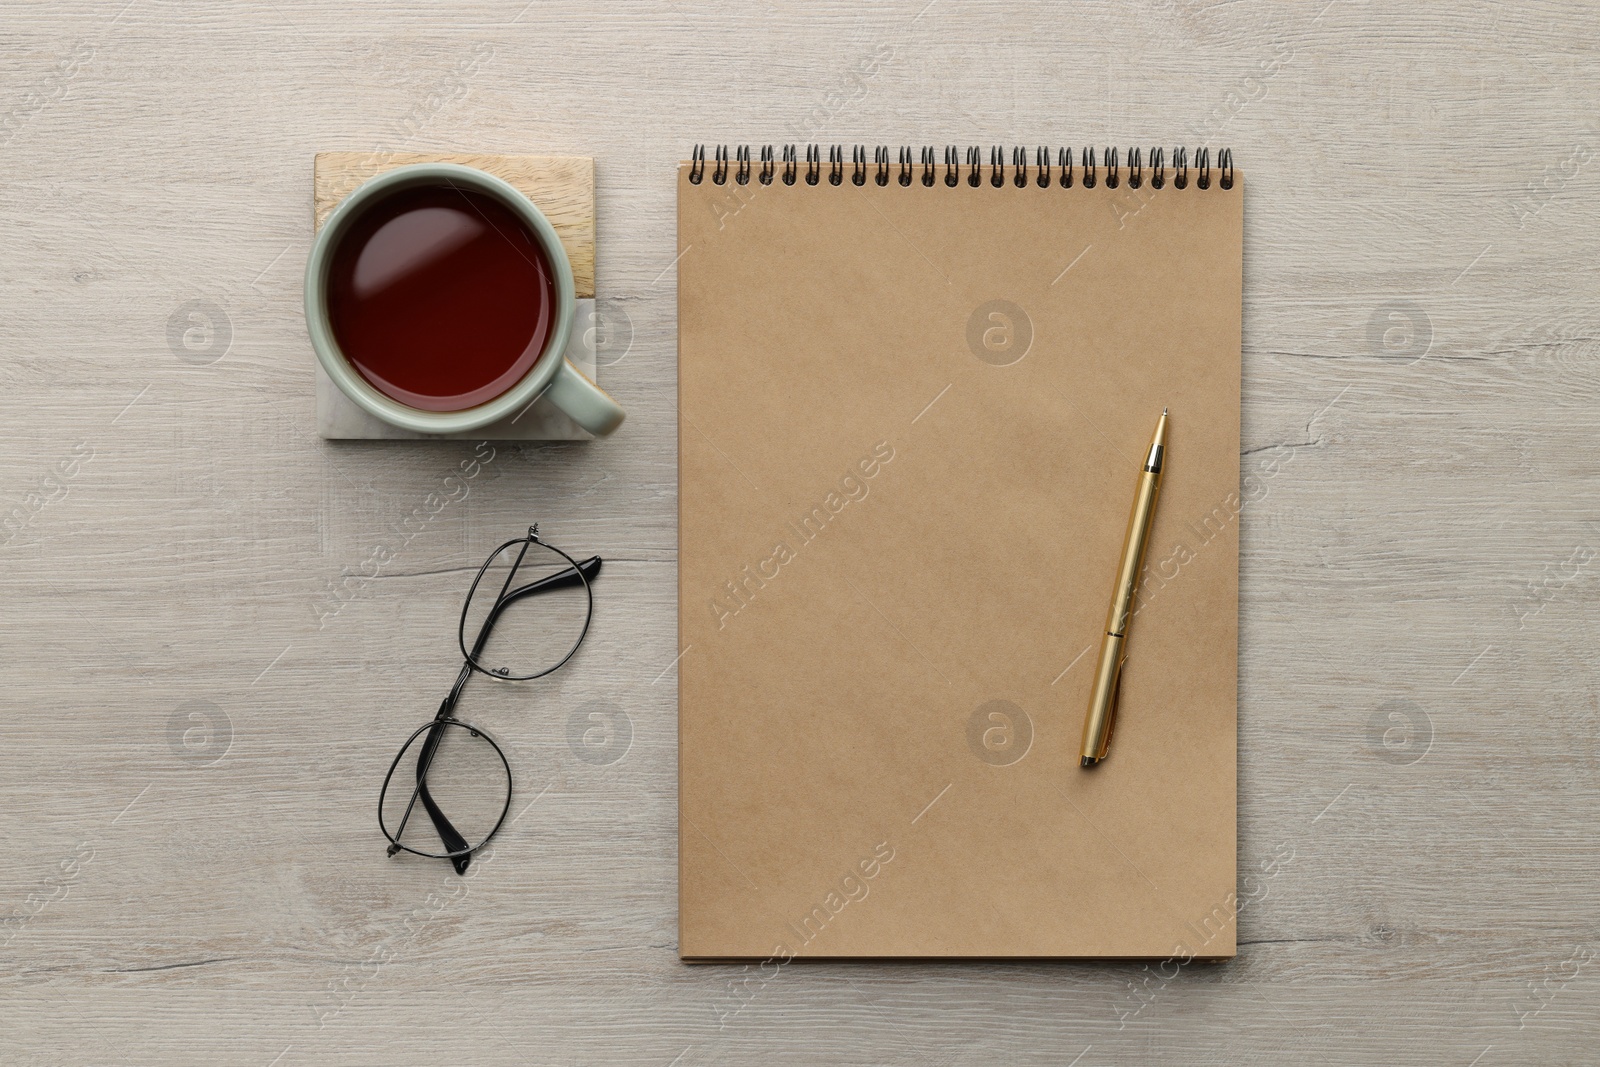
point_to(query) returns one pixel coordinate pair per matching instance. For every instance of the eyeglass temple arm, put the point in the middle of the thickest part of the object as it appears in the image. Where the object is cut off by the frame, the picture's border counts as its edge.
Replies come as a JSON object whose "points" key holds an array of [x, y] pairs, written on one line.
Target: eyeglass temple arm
{"points": [[448, 835], [565, 579], [560, 580]]}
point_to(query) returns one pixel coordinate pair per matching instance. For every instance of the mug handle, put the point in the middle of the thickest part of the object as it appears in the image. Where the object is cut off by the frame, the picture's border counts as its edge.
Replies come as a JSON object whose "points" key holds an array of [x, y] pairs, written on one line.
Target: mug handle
{"points": [[585, 402]]}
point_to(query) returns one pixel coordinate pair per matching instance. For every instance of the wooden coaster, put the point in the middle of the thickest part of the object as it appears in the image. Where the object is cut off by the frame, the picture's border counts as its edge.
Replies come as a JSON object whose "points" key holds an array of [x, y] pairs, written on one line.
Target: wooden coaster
{"points": [[562, 187]]}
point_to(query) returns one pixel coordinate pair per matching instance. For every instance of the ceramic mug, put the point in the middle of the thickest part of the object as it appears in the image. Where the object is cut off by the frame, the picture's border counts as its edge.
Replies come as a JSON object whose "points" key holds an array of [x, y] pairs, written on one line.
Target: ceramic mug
{"points": [[551, 375]]}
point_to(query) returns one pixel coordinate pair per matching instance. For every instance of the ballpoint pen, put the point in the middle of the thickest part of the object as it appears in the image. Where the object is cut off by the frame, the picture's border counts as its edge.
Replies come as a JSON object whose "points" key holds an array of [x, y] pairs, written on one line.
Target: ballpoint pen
{"points": [[1097, 722]]}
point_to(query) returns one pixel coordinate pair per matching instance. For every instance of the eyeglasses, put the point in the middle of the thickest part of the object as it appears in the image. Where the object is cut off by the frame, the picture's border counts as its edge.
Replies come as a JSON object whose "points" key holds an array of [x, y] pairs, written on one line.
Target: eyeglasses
{"points": [[459, 768]]}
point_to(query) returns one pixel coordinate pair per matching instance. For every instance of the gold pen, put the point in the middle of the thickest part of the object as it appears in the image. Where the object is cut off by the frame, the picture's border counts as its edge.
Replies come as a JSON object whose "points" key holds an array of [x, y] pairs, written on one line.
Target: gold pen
{"points": [[1108, 674]]}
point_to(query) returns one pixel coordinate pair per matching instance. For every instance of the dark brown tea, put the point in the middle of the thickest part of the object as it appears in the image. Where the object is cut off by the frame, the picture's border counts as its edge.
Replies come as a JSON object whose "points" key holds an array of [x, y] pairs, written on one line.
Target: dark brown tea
{"points": [[441, 297]]}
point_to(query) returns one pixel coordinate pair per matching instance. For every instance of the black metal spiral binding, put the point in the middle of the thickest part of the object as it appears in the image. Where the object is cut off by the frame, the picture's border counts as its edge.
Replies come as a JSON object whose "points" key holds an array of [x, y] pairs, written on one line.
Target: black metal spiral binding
{"points": [[968, 168]]}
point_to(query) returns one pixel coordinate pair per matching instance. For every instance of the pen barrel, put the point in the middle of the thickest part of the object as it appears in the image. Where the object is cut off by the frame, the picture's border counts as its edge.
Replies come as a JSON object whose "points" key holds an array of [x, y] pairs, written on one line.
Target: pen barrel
{"points": [[1103, 698], [1134, 544]]}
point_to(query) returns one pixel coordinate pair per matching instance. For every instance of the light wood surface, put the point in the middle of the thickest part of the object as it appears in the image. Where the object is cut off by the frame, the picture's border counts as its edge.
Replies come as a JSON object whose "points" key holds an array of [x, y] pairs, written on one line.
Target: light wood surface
{"points": [[183, 554], [562, 187]]}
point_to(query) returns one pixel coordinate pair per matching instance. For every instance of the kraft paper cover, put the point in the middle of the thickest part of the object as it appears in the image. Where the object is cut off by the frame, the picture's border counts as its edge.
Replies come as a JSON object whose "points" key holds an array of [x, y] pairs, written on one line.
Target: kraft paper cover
{"points": [[911, 421]]}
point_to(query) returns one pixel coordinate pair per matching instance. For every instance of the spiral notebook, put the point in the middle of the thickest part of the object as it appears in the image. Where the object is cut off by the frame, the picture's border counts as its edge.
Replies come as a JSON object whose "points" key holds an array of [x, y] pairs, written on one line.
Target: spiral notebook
{"points": [[914, 394]]}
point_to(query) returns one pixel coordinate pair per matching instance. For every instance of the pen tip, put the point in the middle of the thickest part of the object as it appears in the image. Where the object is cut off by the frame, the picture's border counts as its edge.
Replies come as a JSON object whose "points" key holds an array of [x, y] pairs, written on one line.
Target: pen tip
{"points": [[1163, 411]]}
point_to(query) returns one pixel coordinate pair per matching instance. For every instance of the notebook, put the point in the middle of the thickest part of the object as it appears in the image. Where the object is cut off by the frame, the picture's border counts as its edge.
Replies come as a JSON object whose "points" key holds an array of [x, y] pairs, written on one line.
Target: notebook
{"points": [[914, 399]]}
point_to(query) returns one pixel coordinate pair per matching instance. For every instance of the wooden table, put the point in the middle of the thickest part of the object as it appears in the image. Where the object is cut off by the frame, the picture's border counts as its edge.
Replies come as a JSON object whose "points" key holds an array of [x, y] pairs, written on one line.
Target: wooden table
{"points": [[218, 627]]}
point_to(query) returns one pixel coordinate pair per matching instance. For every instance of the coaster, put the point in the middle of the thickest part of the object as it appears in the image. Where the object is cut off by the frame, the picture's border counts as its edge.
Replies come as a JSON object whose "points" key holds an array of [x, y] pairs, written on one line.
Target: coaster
{"points": [[563, 189]]}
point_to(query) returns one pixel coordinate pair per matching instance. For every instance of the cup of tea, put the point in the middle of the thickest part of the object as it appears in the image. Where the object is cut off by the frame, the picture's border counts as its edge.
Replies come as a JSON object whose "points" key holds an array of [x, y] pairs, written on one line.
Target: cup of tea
{"points": [[440, 300]]}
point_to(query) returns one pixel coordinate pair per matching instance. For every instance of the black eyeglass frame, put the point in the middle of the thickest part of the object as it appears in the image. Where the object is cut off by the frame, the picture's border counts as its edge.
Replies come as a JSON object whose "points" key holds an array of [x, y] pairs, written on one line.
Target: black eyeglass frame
{"points": [[460, 856], [504, 600]]}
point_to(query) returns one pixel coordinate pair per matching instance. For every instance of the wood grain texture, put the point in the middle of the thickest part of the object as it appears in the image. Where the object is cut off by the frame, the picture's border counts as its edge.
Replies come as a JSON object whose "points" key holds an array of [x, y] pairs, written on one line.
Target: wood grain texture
{"points": [[562, 187], [1419, 718]]}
